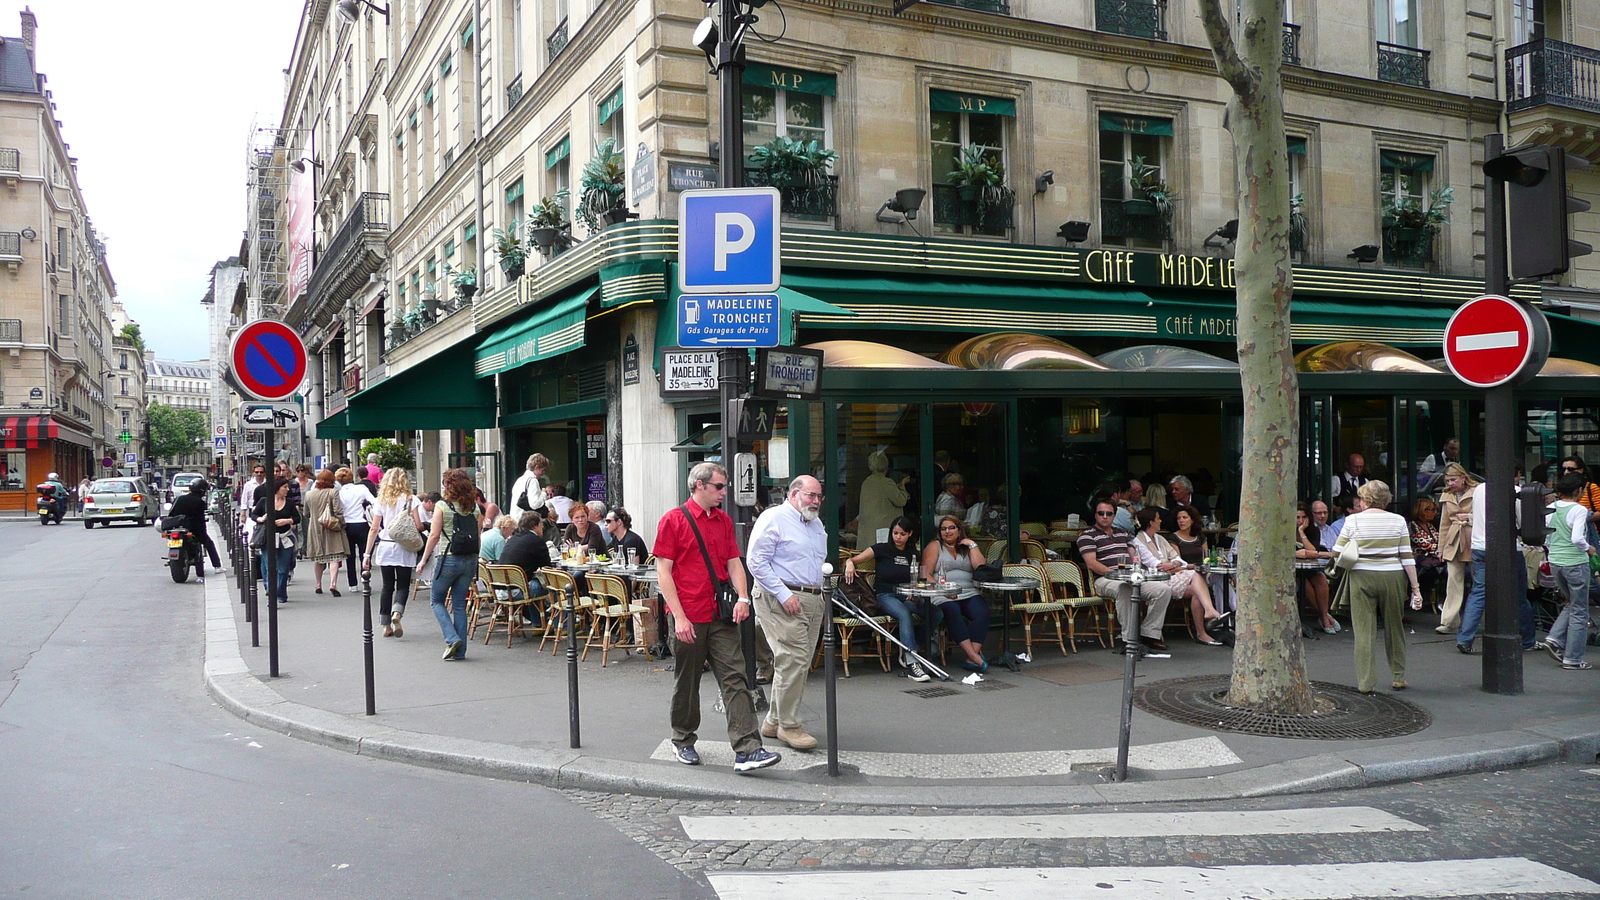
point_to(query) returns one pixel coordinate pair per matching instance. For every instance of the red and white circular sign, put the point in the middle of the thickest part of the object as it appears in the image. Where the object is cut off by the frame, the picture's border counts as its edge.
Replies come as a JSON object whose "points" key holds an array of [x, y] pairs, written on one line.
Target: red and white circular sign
{"points": [[1491, 340], [267, 360]]}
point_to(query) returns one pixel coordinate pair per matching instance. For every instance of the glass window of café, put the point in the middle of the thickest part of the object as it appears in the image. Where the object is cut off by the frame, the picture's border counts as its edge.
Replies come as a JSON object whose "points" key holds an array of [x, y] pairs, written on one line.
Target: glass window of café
{"points": [[970, 166], [13, 470], [1135, 204]]}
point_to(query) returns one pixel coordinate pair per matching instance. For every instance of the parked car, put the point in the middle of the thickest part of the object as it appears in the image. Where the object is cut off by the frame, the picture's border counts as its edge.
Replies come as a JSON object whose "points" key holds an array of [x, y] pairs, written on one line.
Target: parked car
{"points": [[120, 499], [180, 484]]}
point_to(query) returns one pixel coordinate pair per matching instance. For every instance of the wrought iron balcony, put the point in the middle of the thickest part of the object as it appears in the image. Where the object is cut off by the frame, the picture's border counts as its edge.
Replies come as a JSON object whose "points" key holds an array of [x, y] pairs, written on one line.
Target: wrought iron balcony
{"points": [[1136, 18], [1291, 44], [1137, 220], [11, 331], [1553, 73], [356, 251], [1409, 247], [1402, 65], [10, 162], [514, 91], [557, 41], [819, 201], [983, 213], [998, 7]]}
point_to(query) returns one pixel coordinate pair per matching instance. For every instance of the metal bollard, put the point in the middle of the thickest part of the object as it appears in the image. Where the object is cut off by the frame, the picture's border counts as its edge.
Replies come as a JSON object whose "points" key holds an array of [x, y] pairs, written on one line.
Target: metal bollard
{"points": [[572, 664], [830, 644], [366, 640], [1132, 651]]}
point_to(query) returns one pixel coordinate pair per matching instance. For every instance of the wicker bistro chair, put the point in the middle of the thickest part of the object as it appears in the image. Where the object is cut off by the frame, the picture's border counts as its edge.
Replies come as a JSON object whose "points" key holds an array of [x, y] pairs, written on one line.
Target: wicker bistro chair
{"points": [[1032, 551], [610, 611], [562, 586], [1037, 605], [848, 628], [509, 595], [1070, 588], [480, 600]]}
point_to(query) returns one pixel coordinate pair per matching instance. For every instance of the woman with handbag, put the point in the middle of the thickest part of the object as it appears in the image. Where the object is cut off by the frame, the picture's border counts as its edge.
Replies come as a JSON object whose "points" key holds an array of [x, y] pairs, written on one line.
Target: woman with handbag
{"points": [[953, 558], [326, 542], [278, 516], [1156, 552], [1308, 546], [455, 523], [1377, 581], [393, 542]]}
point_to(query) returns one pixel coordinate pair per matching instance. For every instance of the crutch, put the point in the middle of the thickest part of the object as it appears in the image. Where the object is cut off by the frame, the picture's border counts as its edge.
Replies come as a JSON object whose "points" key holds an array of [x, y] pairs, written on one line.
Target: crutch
{"points": [[855, 612]]}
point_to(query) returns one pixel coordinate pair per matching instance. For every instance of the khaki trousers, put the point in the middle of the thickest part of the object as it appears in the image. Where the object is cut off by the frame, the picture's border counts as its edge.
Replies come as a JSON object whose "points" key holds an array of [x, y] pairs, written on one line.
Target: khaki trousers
{"points": [[1157, 595], [1455, 590], [720, 643], [793, 640]]}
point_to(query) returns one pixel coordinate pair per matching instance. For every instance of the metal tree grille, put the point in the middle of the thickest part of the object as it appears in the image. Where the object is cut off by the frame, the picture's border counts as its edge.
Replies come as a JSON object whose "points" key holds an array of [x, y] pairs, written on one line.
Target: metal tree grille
{"points": [[929, 693], [1342, 713]]}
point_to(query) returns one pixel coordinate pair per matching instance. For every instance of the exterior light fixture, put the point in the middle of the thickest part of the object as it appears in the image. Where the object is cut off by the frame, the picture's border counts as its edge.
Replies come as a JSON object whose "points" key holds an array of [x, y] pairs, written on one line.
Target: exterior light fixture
{"points": [[29, 235], [350, 10], [1223, 236], [1074, 233], [299, 165], [1365, 253], [1043, 182], [906, 201]]}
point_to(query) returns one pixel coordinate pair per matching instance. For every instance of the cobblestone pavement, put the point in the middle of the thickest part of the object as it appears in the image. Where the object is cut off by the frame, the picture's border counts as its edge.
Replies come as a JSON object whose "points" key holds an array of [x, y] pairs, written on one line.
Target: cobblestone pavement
{"points": [[1545, 814]]}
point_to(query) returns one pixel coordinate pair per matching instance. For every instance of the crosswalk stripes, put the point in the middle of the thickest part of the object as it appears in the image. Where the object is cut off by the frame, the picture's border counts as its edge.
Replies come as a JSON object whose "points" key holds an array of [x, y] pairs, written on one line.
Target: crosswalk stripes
{"points": [[1330, 881]]}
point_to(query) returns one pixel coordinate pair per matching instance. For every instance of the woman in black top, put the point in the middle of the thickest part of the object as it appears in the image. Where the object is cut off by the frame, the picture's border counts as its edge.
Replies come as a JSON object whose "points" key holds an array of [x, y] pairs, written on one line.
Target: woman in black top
{"points": [[619, 524], [1189, 540], [285, 515], [582, 531], [896, 564], [1309, 547]]}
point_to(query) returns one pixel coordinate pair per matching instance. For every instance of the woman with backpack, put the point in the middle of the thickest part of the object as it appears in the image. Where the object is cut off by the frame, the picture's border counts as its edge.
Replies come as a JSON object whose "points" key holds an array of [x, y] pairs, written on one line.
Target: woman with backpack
{"points": [[393, 542], [455, 523]]}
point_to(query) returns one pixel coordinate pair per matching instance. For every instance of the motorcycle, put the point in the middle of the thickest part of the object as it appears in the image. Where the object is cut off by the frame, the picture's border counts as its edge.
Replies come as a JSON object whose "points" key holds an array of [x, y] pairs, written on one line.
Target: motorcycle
{"points": [[51, 508], [183, 549]]}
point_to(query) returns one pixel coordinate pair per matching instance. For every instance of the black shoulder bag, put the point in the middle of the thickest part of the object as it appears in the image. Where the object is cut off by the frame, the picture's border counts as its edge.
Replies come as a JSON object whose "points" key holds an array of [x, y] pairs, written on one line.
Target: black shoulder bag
{"points": [[725, 595]]}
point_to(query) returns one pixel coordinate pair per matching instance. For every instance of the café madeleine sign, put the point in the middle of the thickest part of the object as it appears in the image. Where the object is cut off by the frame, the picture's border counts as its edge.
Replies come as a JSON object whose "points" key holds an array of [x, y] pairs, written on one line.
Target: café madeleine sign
{"points": [[1158, 269]]}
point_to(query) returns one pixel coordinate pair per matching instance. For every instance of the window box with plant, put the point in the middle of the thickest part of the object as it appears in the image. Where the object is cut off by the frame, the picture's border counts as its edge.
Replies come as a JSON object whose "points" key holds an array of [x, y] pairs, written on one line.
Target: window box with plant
{"points": [[602, 198], [1410, 226], [548, 225], [799, 169], [1146, 213], [1299, 225], [974, 193], [510, 250], [465, 281]]}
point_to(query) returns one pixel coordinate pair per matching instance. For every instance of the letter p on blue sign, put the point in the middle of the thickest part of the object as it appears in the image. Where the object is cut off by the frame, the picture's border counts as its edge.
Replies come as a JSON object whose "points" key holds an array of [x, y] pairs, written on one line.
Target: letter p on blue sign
{"points": [[728, 241]]}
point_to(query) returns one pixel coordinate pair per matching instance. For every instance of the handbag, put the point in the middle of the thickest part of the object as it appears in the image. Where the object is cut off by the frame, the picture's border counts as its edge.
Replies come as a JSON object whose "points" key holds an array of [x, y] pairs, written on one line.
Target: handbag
{"points": [[403, 530], [1346, 559], [329, 519], [724, 593], [260, 535]]}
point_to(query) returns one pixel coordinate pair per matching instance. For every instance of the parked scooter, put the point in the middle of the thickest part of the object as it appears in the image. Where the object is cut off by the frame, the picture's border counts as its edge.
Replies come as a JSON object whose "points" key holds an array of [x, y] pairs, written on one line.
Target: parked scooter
{"points": [[183, 549], [50, 505]]}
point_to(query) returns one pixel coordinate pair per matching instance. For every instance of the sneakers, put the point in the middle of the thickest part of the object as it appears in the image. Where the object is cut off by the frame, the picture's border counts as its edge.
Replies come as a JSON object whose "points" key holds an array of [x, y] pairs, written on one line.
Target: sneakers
{"points": [[688, 755], [915, 672], [1445, 629], [456, 650], [769, 728], [1576, 664], [758, 758], [1464, 648], [797, 738], [1551, 649]]}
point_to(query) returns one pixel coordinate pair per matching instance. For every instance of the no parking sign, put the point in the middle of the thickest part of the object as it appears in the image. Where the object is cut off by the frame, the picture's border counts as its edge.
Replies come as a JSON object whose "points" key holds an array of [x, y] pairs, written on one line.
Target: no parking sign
{"points": [[267, 360]]}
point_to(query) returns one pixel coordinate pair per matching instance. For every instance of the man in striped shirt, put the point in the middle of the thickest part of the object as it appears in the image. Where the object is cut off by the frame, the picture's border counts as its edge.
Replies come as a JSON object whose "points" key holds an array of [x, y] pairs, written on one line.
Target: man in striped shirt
{"points": [[1103, 548]]}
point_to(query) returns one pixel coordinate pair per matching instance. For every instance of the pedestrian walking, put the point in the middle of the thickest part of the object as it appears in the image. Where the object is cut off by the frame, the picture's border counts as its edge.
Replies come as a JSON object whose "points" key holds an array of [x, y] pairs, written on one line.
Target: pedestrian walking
{"points": [[1378, 582], [393, 547], [274, 509], [455, 522], [1472, 609], [527, 492], [327, 545], [1570, 551], [787, 549], [1455, 543], [357, 501], [695, 551]]}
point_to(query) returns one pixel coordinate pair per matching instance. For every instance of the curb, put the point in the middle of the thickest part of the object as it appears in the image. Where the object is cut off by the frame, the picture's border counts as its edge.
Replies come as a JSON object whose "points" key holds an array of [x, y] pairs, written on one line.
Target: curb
{"points": [[242, 693]]}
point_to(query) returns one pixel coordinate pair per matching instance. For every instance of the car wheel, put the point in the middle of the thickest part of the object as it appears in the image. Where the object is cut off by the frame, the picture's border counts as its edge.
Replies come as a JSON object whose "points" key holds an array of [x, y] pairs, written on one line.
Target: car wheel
{"points": [[88, 523]]}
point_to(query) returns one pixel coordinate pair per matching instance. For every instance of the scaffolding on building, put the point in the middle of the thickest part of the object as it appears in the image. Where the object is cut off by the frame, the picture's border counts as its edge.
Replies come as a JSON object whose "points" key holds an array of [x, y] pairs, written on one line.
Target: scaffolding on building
{"points": [[267, 162]]}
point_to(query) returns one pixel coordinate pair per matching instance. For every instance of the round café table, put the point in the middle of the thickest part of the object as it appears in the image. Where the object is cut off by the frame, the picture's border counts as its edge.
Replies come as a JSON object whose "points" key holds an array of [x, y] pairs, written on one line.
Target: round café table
{"points": [[1006, 588], [927, 591]]}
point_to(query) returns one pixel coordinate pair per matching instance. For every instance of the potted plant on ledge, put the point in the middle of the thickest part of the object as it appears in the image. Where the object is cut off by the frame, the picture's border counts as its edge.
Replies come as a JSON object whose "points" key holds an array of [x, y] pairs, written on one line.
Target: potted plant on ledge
{"points": [[602, 186], [799, 170], [1409, 228], [510, 250], [976, 177], [548, 223], [465, 281]]}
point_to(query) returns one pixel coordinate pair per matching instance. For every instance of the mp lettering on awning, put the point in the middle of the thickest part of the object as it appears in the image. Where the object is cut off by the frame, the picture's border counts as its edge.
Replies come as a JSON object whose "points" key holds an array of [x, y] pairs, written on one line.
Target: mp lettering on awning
{"points": [[951, 101], [610, 105], [1135, 124], [1416, 162], [791, 80], [558, 153]]}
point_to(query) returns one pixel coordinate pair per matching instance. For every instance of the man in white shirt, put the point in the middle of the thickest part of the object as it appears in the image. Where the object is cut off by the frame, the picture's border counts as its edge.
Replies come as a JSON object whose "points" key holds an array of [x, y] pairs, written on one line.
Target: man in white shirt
{"points": [[787, 549], [247, 496], [1327, 533], [560, 502], [1472, 610], [1343, 488]]}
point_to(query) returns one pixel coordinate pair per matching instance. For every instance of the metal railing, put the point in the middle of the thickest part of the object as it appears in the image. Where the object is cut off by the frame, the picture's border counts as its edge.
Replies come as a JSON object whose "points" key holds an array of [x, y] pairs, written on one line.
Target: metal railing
{"points": [[368, 220], [557, 41], [1291, 44], [999, 7], [514, 91], [818, 201], [1136, 18], [1553, 73], [10, 160], [1402, 65], [11, 331], [1133, 219], [1410, 247], [983, 213], [10, 245]]}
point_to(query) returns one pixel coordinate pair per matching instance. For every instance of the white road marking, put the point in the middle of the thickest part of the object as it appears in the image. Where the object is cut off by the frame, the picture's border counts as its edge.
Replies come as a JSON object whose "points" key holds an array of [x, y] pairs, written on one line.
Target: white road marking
{"points": [[1334, 820], [1342, 881], [1194, 753], [1493, 340]]}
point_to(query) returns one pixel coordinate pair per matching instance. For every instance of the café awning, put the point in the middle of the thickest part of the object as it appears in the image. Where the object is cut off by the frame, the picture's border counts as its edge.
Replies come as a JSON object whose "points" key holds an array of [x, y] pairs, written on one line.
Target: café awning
{"points": [[441, 393], [550, 329]]}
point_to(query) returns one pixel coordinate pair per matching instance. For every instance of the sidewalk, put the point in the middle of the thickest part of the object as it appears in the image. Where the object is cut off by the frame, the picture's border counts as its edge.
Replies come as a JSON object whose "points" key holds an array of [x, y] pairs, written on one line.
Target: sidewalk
{"points": [[1040, 736]]}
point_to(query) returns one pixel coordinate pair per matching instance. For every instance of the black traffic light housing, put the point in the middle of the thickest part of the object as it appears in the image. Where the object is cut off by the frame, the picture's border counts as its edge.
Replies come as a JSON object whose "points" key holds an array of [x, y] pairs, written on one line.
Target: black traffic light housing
{"points": [[1537, 207]]}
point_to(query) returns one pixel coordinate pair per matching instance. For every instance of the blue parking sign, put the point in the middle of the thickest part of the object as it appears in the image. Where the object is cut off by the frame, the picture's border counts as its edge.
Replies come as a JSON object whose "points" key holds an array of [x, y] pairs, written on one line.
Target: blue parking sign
{"points": [[728, 241]]}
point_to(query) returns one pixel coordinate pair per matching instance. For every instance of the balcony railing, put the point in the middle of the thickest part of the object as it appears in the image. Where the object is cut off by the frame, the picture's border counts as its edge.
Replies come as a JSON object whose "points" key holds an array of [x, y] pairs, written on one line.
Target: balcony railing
{"points": [[1137, 18], [355, 252], [1409, 247], [990, 213], [10, 245], [514, 91], [557, 41], [1291, 44], [11, 331], [10, 161], [1138, 220], [1402, 65], [999, 7], [1552, 73], [820, 201]]}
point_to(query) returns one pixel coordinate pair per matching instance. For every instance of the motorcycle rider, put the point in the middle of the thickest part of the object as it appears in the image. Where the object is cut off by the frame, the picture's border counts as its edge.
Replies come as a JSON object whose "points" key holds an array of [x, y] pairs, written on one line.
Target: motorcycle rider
{"points": [[53, 489], [193, 505]]}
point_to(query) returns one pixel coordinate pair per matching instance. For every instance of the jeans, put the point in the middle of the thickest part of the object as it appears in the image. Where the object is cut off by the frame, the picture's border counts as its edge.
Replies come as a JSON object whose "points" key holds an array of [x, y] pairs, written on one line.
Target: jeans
{"points": [[902, 610], [282, 561], [357, 533], [451, 577], [1472, 610], [1571, 628], [966, 619]]}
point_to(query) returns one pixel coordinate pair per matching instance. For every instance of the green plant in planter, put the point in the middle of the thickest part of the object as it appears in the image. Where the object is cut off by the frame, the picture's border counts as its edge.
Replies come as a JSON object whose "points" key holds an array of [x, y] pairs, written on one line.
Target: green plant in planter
{"points": [[1406, 212], [1149, 185], [550, 212], [390, 454], [1299, 225], [465, 281], [510, 250], [602, 185], [786, 163], [977, 175]]}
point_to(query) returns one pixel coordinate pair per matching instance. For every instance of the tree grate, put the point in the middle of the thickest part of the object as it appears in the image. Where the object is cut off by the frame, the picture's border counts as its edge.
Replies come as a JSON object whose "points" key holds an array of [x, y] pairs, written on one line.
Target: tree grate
{"points": [[993, 685], [1342, 713], [928, 693]]}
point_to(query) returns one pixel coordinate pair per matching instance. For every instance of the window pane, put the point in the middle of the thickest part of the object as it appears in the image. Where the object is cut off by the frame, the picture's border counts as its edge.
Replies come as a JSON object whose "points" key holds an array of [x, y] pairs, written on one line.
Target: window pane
{"points": [[803, 110], [1147, 146], [1111, 145], [1112, 185], [945, 159], [945, 127], [759, 104], [985, 130]]}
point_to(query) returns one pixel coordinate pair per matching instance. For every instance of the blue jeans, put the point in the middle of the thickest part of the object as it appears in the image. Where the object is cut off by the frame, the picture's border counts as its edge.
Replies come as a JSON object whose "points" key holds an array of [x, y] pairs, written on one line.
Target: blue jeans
{"points": [[451, 577], [902, 610], [966, 619], [1472, 610], [1571, 628], [283, 563]]}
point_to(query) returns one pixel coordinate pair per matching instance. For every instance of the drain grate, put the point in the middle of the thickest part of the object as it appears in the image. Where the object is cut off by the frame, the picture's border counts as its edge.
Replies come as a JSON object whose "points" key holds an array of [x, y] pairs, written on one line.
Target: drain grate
{"points": [[928, 693], [993, 685], [1342, 713]]}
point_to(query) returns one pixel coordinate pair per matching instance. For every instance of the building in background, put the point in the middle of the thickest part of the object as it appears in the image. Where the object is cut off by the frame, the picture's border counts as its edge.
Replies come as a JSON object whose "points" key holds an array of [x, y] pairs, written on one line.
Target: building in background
{"points": [[125, 384], [182, 385], [55, 294], [226, 282]]}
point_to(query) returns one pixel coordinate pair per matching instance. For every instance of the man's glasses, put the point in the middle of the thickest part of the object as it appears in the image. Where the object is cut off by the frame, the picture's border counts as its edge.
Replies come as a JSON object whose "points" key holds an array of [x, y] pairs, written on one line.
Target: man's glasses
{"points": [[717, 485], [1569, 470], [1105, 512], [811, 494]]}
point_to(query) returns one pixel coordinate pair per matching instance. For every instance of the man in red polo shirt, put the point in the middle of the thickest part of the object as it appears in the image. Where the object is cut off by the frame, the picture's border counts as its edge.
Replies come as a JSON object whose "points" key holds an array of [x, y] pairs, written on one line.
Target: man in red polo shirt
{"points": [[689, 592]]}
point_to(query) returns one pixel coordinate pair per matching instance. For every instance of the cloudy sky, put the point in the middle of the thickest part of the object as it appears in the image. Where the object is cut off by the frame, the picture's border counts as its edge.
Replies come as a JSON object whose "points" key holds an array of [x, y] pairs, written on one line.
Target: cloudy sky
{"points": [[157, 101]]}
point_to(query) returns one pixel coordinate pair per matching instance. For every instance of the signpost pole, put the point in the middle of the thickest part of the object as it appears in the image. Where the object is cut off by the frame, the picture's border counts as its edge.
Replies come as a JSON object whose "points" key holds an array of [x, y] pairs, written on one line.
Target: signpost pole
{"points": [[1502, 640], [269, 566]]}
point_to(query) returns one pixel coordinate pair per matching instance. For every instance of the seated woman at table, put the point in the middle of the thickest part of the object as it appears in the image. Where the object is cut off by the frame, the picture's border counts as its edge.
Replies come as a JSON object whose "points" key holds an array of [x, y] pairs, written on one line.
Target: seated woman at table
{"points": [[966, 616], [619, 524], [896, 564], [494, 540], [1308, 546], [584, 532], [1156, 552], [1425, 545], [1187, 538]]}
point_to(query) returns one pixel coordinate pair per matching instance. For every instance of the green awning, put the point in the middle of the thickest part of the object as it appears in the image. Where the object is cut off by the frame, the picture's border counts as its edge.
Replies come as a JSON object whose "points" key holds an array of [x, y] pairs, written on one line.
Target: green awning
{"points": [[469, 232], [1135, 124], [466, 35], [428, 95], [559, 152], [334, 428], [441, 393], [1297, 146], [610, 105], [1574, 338], [514, 192], [1416, 162], [553, 327], [791, 80], [794, 304], [633, 281], [950, 101]]}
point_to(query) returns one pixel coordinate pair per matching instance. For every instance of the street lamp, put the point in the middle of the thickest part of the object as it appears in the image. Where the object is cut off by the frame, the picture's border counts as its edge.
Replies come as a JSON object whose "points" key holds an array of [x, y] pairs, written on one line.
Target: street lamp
{"points": [[350, 10]]}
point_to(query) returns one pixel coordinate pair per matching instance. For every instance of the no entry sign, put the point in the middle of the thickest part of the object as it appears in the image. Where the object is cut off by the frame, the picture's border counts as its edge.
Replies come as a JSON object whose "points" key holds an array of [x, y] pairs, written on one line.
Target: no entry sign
{"points": [[1492, 340], [267, 360]]}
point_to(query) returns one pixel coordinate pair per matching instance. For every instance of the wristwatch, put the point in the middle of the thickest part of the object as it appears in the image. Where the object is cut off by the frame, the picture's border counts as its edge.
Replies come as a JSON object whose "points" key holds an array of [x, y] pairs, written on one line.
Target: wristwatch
{"points": [[743, 600]]}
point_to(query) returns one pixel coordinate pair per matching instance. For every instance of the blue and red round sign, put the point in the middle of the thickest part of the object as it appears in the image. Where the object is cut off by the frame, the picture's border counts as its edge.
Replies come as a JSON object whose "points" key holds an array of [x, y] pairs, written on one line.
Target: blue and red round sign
{"points": [[267, 360]]}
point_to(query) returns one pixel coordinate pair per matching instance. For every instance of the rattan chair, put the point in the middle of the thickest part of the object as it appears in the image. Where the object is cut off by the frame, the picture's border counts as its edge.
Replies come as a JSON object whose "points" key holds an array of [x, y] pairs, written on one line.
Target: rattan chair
{"points": [[480, 600], [510, 594], [562, 586], [1069, 587], [610, 609], [1037, 605]]}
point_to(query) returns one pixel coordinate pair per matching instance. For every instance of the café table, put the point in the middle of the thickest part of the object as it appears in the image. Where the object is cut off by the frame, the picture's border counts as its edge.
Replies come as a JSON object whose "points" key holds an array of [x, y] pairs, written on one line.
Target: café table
{"points": [[1006, 587], [646, 587], [927, 591]]}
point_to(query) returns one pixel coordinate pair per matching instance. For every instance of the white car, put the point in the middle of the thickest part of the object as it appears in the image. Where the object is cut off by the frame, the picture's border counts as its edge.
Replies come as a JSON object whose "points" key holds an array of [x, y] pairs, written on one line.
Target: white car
{"points": [[119, 499], [180, 484]]}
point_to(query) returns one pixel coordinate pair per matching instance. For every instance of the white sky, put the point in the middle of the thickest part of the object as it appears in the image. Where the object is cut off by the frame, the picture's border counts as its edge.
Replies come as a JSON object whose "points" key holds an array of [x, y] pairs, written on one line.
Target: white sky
{"points": [[156, 101]]}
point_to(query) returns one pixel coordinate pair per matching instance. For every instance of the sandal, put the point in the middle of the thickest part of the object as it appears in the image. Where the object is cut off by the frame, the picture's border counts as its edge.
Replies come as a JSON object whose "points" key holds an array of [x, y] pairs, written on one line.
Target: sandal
{"points": [[335, 591], [319, 590]]}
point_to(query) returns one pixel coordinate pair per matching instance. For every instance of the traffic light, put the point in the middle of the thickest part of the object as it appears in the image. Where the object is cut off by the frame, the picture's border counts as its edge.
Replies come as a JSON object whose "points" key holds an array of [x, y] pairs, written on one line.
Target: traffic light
{"points": [[1537, 207]]}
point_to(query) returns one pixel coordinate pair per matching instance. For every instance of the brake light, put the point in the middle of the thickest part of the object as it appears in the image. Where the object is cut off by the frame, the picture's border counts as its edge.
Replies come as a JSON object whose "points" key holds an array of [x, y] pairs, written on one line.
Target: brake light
{"points": [[137, 498]]}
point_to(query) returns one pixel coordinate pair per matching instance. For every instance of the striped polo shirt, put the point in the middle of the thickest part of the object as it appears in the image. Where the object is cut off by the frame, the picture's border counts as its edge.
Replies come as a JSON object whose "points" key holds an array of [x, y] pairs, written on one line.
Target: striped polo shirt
{"points": [[1382, 537]]}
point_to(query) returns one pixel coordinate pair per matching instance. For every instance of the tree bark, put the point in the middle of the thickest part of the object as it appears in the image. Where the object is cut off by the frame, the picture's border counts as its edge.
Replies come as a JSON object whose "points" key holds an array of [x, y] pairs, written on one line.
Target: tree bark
{"points": [[1269, 672]]}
